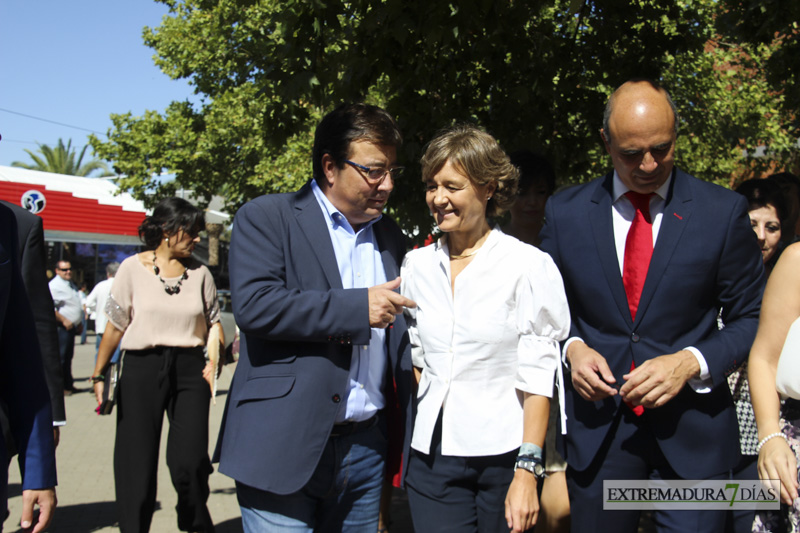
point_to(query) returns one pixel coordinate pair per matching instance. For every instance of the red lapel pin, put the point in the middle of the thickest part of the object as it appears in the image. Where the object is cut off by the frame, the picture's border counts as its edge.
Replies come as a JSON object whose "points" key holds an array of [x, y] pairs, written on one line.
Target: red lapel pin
{"points": [[677, 215]]}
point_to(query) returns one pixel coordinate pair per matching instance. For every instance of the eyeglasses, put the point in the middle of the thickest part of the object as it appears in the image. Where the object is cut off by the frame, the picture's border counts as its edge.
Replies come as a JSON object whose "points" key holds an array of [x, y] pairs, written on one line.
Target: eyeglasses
{"points": [[375, 176], [63, 269]]}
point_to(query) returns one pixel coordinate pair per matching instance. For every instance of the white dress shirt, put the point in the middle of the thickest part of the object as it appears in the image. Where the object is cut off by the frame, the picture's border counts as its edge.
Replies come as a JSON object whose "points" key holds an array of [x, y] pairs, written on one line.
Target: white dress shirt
{"points": [[622, 215], [96, 304], [483, 344], [66, 299]]}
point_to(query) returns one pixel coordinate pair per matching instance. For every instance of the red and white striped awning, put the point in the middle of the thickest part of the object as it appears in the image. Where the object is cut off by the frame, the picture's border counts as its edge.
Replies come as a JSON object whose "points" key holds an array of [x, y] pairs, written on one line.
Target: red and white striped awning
{"points": [[75, 209]]}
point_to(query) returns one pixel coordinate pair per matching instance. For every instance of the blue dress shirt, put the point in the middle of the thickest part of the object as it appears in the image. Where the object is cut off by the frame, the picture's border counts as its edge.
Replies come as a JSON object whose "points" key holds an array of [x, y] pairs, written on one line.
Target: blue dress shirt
{"points": [[360, 266]]}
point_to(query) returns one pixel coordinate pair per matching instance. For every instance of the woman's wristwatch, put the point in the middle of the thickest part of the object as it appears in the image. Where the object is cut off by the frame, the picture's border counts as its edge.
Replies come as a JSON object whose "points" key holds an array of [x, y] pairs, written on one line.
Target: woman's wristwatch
{"points": [[98, 378], [534, 465]]}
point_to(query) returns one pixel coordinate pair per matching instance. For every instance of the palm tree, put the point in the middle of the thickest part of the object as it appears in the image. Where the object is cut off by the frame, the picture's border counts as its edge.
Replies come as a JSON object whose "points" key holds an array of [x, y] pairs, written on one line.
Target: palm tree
{"points": [[62, 160]]}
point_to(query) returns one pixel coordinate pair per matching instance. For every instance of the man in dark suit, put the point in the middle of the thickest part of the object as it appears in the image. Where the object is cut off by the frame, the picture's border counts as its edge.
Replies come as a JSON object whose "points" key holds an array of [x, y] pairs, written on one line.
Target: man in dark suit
{"points": [[314, 276], [649, 256], [33, 261], [24, 399]]}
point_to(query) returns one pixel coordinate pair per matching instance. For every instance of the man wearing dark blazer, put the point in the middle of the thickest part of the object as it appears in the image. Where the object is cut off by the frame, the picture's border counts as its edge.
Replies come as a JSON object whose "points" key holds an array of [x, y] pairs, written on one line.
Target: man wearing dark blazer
{"points": [[33, 261], [658, 346], [314, 279], [24, 399]]}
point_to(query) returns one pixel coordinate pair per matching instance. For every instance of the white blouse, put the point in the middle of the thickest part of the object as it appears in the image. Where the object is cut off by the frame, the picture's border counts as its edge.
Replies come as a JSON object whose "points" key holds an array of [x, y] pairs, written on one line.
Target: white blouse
{"points": [[483, 344]]}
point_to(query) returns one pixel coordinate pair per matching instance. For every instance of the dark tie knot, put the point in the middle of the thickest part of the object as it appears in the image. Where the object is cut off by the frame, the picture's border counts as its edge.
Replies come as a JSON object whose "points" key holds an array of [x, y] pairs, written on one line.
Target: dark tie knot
{"points": [[641, 201]]}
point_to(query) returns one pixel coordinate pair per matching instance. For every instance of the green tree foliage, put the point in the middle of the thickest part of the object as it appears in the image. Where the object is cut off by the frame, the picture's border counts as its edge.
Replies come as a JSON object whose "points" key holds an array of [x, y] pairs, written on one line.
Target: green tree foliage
{"points": [[735, 127], [774, 24], [62, 159], [536, 74]]}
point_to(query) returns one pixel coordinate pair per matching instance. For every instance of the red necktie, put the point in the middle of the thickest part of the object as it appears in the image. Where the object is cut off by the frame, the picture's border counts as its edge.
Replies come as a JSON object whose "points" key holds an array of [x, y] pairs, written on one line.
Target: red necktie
{"points": [[638, 251]]}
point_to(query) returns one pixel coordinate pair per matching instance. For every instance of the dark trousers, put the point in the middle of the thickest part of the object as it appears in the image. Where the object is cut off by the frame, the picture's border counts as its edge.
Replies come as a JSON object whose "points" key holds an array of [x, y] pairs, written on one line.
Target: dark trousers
{"points": [[66, 350], [458, 494], [741, 520], [154, 381], [630, 451]]}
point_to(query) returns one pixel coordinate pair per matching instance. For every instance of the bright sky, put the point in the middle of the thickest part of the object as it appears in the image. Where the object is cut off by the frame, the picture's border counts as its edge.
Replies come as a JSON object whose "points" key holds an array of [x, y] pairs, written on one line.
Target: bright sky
{"points": [[76, 62]]}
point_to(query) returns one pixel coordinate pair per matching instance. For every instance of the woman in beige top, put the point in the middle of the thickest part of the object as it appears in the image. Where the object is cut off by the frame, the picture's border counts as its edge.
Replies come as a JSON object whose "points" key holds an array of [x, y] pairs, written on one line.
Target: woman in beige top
{"points": [[161, 307]]}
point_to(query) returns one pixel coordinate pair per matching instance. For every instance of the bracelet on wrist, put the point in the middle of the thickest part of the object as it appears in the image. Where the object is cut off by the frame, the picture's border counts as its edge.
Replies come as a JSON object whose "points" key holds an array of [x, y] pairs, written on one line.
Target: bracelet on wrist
{"points": [[98, 378], [528, 449], [768, 438]]}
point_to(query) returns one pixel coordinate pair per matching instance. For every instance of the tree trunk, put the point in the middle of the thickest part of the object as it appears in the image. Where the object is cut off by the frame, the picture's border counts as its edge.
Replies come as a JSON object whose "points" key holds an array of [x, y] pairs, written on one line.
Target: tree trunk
{"points": [[214, 231]]}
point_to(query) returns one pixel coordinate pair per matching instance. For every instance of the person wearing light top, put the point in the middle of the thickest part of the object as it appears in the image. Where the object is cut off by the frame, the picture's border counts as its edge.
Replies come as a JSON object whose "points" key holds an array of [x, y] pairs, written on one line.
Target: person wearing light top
{"points": [[162, 306], [766, 210], [490, 312], [69, 313], [96, 304]]}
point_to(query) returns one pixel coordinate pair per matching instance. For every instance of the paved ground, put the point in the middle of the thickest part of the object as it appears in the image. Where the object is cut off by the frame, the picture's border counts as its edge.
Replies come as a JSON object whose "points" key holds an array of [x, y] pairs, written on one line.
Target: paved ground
{"points": [[86, 478]]}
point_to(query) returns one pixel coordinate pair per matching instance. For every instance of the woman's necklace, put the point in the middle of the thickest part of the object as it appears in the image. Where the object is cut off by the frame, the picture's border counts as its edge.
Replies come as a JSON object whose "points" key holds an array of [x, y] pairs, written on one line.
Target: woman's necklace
{"points": [[478, 244], [464, 256], [175, 289]]}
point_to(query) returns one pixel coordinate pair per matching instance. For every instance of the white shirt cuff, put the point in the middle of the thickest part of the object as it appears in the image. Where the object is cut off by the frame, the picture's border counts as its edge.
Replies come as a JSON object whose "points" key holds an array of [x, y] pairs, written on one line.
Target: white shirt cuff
{"points": [[701, 384], [417, 356], [564, 350]]}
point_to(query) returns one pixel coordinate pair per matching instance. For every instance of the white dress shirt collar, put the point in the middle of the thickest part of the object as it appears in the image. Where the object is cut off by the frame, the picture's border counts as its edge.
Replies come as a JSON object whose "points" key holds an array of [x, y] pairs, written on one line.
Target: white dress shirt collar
{"points": [[443, 249], [334, 217], [620, 188]]}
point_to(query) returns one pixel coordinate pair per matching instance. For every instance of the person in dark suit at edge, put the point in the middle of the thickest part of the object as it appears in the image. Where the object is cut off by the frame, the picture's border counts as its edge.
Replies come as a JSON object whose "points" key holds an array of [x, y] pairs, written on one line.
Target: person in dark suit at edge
{"points": [[649, 255], [314, 279], [24, 399], [33, 261]]}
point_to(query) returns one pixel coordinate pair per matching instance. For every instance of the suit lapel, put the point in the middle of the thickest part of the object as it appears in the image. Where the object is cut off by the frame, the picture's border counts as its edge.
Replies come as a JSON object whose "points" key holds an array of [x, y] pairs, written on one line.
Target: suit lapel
{"points": [[674, 219], [602, 225], [389, 261], [390, 266], [312, 221]]}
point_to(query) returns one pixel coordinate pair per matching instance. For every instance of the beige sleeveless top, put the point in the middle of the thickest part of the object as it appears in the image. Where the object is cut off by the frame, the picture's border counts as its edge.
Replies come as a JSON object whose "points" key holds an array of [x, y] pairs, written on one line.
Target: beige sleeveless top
{"points": [[139, 306]]}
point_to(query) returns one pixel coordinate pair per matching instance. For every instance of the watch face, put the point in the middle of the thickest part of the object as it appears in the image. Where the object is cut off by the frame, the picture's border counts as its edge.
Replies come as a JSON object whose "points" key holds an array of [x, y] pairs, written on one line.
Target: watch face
{"points": [[534, 467]]}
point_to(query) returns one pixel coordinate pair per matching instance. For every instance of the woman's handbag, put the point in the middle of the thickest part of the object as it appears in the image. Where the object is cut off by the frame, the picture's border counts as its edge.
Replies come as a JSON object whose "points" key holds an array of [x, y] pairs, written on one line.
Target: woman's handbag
{"points": [[787, 379], [110, 388]]}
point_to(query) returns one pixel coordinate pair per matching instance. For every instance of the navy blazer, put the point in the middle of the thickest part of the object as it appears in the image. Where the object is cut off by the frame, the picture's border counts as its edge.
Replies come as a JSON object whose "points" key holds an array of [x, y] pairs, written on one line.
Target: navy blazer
{"points": [[23, 391], [33, 262], [298, 326], [706, 258]]}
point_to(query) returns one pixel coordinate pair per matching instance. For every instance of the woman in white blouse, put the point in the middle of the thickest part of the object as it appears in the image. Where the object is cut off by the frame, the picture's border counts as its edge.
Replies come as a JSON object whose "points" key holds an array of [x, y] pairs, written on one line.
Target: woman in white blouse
{"points": [[490, 312], [778, 419]]}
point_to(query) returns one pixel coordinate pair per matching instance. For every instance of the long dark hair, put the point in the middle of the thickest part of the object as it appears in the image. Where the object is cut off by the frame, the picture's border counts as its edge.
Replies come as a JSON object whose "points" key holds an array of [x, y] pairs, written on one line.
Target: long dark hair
{"points": [[170, 216]]}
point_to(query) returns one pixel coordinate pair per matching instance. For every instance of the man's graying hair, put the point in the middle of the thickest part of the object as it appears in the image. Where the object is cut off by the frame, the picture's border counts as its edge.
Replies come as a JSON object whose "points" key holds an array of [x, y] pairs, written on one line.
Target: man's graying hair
{"points": [[655, 85], [111, 269]]}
